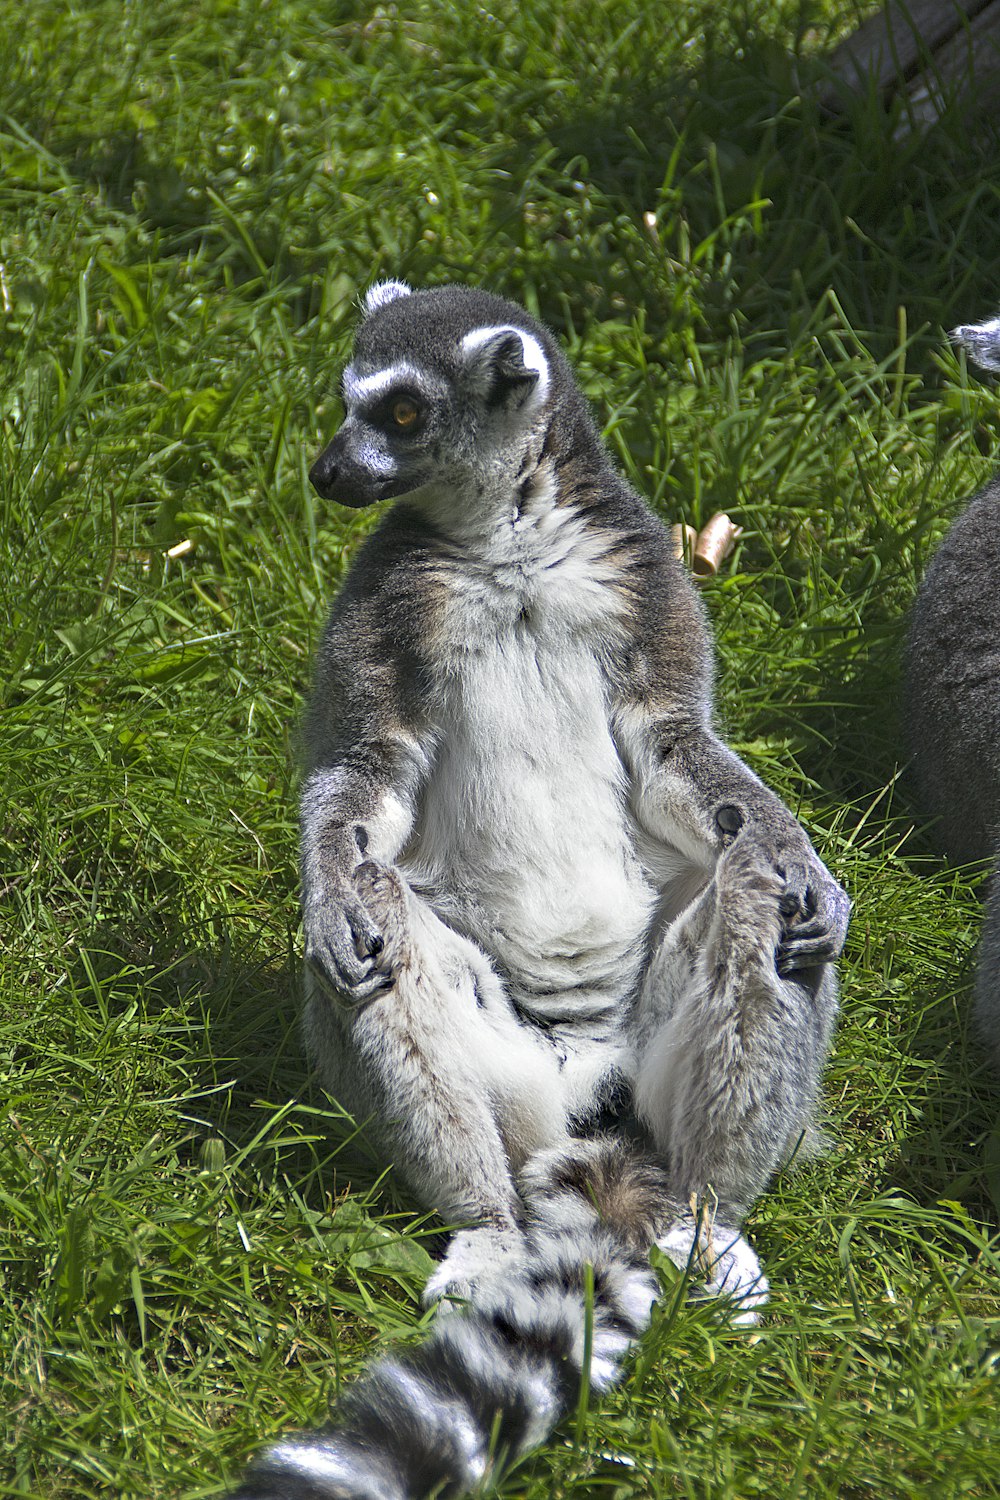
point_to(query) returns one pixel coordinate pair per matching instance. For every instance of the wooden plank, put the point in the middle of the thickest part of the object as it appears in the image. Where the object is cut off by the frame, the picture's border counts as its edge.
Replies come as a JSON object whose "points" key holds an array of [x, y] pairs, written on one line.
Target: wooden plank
{"points": [[966, 67], [891, 46]]}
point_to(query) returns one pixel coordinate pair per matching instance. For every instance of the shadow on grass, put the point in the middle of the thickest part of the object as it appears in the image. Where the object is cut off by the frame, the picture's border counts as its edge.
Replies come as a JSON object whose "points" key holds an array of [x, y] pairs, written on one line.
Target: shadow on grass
{"points": [[950, 1156], [230, 1017], [886, 217], [940, 1114]]}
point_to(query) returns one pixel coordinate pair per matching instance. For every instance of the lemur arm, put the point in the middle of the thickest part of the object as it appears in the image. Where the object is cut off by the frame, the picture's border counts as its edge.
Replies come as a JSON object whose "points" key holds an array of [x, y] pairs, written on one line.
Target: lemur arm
{"points": [[352, 810], [367, 757], [692, 793]]}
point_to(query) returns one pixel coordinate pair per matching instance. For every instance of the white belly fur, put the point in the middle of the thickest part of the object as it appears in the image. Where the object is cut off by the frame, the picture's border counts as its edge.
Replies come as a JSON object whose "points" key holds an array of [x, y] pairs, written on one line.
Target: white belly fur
{"points": [[523, 840]]}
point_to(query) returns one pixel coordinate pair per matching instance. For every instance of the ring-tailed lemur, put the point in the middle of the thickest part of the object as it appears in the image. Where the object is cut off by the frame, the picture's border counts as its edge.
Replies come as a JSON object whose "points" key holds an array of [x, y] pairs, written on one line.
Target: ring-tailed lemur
{"points": [[538, 891], [953, 694]]}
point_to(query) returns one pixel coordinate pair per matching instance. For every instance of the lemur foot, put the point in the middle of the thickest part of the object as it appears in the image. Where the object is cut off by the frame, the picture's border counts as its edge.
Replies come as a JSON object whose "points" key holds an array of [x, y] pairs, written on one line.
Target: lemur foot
{"points": [[474, 1256], [722, 1263]]}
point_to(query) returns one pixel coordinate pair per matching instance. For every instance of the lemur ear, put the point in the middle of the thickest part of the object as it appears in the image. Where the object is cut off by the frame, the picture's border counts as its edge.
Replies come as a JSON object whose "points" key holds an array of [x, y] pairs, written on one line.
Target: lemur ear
{"points": [[505, 364], [981, 342], [382, 293]]}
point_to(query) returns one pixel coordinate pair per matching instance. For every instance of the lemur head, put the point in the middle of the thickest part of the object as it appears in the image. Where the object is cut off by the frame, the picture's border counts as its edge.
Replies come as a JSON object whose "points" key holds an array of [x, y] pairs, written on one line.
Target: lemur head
{"points": [[448, 388]]}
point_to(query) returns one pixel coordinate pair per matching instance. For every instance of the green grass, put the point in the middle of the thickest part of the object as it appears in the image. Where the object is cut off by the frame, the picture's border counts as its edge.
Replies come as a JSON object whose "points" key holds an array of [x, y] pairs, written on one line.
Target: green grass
{"points": [[195, 1248]]}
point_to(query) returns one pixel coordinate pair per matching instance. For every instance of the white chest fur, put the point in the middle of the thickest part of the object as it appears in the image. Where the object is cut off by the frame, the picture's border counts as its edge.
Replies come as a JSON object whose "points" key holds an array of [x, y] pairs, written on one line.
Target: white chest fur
{"points": [[524, 839]]}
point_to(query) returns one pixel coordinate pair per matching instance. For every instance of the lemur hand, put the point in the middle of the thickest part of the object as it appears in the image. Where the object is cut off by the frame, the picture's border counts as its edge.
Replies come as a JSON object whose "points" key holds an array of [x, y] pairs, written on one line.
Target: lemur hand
{"points": [[813, 909], [346, 936]]}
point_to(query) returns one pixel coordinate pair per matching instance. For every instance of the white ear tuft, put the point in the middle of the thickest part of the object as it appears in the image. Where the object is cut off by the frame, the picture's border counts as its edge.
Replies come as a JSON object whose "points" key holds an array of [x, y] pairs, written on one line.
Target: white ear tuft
{"points": [[382, 293], [981, 342]]}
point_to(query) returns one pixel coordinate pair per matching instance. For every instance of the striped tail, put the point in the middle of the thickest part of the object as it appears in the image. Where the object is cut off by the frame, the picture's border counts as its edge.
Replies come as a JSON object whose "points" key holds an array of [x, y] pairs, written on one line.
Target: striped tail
{"points": [[981, 342], [492, 1380]]}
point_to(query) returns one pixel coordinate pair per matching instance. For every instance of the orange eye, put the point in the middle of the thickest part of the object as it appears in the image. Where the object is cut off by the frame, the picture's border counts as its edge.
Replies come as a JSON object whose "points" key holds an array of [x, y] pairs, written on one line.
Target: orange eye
{"points": [[404, 412]]}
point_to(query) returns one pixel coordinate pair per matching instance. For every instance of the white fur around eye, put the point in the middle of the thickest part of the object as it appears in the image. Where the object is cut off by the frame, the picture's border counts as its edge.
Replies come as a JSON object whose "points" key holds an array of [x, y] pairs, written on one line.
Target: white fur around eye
{"points": [[367, 387]]}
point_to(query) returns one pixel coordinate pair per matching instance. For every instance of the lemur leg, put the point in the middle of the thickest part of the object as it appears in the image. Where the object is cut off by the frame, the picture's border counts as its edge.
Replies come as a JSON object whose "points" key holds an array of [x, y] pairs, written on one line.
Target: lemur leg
{"points": [[729, 1055], [459, 1091]]}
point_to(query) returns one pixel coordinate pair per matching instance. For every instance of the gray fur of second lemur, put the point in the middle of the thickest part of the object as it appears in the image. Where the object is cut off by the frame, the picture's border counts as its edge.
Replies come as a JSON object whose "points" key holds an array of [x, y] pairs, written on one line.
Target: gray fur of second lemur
{"points": [[953, 696], [537, 887]]}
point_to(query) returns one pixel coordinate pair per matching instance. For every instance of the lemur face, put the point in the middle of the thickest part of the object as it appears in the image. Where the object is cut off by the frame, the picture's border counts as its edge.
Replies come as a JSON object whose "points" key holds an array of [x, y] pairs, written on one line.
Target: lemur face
{"points": [[441, 387]]}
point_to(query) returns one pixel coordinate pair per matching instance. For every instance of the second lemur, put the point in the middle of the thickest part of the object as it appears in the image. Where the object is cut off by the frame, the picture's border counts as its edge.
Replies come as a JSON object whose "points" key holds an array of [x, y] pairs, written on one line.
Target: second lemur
{"points": [[539, 892], [953, 696]]}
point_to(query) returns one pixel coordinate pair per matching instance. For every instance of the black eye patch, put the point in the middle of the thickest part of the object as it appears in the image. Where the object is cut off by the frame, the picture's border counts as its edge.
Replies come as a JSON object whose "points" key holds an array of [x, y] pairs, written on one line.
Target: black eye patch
{"points": [[399, 412]]}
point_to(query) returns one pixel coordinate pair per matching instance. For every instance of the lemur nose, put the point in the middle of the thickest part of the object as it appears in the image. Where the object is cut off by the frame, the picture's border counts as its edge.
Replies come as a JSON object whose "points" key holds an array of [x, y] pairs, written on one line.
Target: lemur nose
{"points": [[323, 474]]}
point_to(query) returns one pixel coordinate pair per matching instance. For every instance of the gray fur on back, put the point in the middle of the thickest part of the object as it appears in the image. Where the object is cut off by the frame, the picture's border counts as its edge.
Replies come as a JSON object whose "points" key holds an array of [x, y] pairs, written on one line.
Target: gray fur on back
{"points": [[953, 695], [953, 682]]}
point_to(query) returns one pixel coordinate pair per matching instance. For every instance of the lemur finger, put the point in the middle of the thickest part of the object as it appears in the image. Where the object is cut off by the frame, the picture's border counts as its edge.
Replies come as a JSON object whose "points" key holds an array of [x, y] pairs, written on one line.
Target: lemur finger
{"points": [[817, 925], [376, 984], [337, 940], [350, 983], [831, 911], [805, 953], [797, 899], [338, 964], [367, 937]]}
